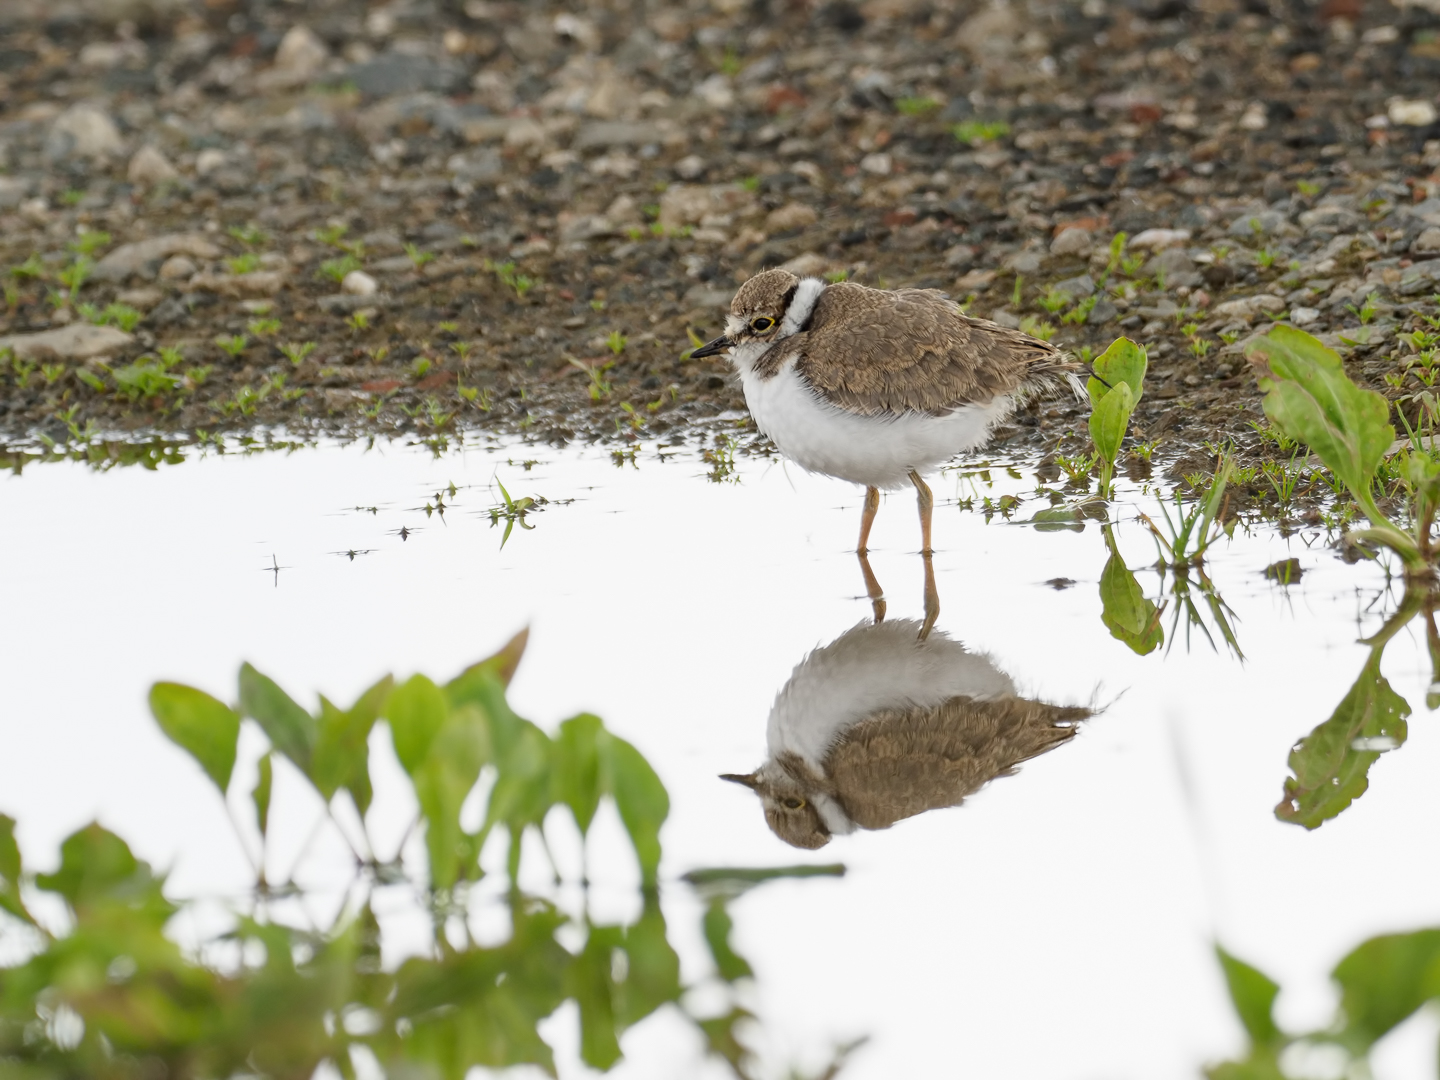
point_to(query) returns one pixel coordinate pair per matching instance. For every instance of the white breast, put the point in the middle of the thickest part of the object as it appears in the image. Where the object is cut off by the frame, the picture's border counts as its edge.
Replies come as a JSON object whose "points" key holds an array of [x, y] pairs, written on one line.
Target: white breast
{"points": [[870, 667], [875, 451]]}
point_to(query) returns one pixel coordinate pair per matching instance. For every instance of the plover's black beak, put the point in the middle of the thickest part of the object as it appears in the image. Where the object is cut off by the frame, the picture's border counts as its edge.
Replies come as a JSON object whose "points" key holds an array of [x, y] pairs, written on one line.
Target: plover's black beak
{"points": [[712, 348]]}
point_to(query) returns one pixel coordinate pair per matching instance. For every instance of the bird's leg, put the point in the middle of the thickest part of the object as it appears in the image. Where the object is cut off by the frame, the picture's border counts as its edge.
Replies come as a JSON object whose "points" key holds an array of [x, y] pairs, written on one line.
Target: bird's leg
{"points": [[867, 519], [927, 504], [932, 597], [872, 587]]}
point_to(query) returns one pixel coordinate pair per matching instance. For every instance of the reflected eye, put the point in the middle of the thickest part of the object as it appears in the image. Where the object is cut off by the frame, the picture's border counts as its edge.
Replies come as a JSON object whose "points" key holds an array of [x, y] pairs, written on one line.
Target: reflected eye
{"points": [[793, 803], [761, 324]]}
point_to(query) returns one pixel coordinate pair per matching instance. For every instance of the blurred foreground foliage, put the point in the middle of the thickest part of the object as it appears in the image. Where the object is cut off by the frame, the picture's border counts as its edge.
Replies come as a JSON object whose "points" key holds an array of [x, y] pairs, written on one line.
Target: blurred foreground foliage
{"points": [[95, 981]]}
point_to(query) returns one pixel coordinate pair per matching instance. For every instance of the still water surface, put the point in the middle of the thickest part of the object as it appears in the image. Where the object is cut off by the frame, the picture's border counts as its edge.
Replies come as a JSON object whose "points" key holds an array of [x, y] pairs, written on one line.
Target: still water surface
{"points": [[1059, 924]]}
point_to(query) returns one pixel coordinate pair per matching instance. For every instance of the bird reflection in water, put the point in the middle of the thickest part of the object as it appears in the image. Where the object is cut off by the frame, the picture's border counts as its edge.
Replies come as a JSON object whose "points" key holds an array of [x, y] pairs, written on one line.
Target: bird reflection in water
{"points": [[890, 720]]}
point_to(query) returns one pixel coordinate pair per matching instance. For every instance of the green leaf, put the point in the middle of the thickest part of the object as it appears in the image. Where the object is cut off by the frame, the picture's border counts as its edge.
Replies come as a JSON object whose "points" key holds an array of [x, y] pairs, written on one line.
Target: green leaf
{"points": [[1385, 980], [442, 782], [502, 665], [1056, 519], [10, 868], [1123, 362], [1330, 772], [290, 729], [653, 975], [261, 793], [1253, 995], [98, 868], [1125, 611], [416, 711], [1309, 397], [203, 726], [1109, 420], [717, 926], [641, 799], [577, 767], [590, 982], [342, 750]]}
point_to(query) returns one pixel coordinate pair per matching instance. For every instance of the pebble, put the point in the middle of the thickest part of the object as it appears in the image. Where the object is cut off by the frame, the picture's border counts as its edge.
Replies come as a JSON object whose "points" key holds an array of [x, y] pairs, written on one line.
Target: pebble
{"points": [[145, 256], [141, 299], [791, 217], [178, 268], [298, 59], [78, 341], [1076, 287], [149, 166], [208, 161], [1075, 241], [876, 164], [1411, 113], [260, 283], [84, 131], [1427, 243], [1249, 306], [359, 283], [13, 190], [1304, 316], [1261, 223], [1159, 239]]}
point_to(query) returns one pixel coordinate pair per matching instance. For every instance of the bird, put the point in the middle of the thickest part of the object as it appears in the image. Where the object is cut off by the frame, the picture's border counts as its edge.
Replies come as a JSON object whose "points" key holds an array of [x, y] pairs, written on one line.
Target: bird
{"points": [[880, 725], [875, 386]]}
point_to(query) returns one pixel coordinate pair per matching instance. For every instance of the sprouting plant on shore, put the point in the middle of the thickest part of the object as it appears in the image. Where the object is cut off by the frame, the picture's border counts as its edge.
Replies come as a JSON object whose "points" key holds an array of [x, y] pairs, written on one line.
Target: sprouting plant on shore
{"points": [[508, 276], [87, 243], [979, 132], [296, 354], [511, 511], [1038, 328], [233, 345], [616, 342], [337, 269], [245, 263], [417, 257], [599, 386], [1115, 388]]}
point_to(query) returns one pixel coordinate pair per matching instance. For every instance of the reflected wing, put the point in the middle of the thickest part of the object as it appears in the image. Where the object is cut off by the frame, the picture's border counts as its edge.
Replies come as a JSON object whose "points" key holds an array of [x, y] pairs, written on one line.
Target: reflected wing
{"points": [[912, 350], [899, 762]]}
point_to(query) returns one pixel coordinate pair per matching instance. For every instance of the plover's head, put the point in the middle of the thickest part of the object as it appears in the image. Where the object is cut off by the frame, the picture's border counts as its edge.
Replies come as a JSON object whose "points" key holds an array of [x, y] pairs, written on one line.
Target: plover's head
{"points": [[788, 798], [770, 307]]}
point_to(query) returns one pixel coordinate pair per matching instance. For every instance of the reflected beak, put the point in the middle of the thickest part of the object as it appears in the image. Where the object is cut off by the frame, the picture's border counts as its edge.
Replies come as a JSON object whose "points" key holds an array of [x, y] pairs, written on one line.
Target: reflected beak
{"points": [[712, 348], [748, 779]]}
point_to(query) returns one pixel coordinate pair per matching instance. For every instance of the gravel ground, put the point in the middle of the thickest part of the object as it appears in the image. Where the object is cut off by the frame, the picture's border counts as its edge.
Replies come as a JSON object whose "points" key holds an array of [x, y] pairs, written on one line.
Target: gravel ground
{"points": [[423, 216]]}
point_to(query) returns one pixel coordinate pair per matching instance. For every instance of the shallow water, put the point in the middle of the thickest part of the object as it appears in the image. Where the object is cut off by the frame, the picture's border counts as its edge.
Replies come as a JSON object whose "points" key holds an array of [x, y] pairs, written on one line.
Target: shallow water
{"points": [[1059, 924]]}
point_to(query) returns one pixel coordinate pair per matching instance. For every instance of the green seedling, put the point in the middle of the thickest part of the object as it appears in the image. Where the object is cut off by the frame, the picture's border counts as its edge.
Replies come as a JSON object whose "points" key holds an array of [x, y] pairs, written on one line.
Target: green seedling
{"points": [[1265, 258], [1366, 311], [87, 243], [751, 183], [448, 327], [1054, 300], [916, 106], [1307, 188], [979, 132], [1199, 347], [511, 511], [1115, 388], [31, 269], [417, 257], [332, 235], [196, 376], [597, 305], [1310, 398], [1229, 337], [462, 349], [248, 235], [76, 274], [263, 327], [90, 379], [358, 321], [72, 196], [336, 269], [721, 459], [616, 342], [480, 397], [51, 372], [378, 353], [1116, 254], [421, 366], [1077, 468], [233, 345], [297, 354], [12, 295], [247, 263], [144, 379], [1080, 313], [599, 387], [1017, 292], [837, 276], [509, 277], [1037, 328]]}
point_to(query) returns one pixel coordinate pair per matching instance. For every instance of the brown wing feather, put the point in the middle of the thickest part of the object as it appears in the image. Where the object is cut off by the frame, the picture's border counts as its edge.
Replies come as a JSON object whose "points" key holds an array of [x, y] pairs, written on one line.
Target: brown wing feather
{"points": [[900, 762], [872, 352]]}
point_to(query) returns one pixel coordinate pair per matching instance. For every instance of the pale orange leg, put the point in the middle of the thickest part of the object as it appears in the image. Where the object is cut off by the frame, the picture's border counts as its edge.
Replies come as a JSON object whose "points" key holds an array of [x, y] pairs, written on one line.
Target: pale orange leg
{"points": [[867, 519], [932, 597], [872, 588], [927, 505]]}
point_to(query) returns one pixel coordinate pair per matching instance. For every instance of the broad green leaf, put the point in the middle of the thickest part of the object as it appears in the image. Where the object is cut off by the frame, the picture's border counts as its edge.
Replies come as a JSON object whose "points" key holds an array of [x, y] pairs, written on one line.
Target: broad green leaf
{"points": [[1253, 995], [1057, 518], [653, 975], [203, 726], [591, 983], [1109, 420], [342, 749], [290, 729], [10, 869], [1309, 397], [1125, 611], [577, 767], [1123, 362], [416, 711], [260, 796], [98, 868], [1260, 1066], [502, 665], [641, 799], [717, 925], [1385, 980], [1330, 771], [457, 753]]}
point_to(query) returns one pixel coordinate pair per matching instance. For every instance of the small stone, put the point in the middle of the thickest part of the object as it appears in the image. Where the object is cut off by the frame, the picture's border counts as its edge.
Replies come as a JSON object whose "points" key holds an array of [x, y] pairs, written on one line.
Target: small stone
{"points": [[807, 265], [609, 134], [974, 281], [1005, 318], [1076, 287], [78, 341], [877, 164], [1304, 316], [690, 167], [149, 166], [1257, 224], [1159, 239], [1416, 113], [84, 131], [178, 268], [1102, 312], [1248, 307], [140, 299], [1427, 243], [359, 283], [299, 59], [208, 161], [960, 257], [145, 256], [1254, 118], [791, 217], [1076, 241], [13, 190], [1024, 262], [260, 283]]}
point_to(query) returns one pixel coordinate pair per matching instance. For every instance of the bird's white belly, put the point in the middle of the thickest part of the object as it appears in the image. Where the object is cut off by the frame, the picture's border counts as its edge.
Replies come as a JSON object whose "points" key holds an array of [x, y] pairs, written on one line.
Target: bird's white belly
{"points": [[870, 450]]}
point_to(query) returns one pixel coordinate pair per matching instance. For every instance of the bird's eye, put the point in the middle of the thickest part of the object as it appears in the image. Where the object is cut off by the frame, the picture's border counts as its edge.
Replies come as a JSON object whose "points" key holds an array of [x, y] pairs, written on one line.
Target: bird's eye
{"points": [[761, 324], [793, 803]]}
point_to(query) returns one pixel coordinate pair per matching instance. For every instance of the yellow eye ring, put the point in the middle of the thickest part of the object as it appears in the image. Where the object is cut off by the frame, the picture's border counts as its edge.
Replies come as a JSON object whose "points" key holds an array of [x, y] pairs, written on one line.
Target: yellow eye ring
{"points": [[793, 803], [761, 324]]}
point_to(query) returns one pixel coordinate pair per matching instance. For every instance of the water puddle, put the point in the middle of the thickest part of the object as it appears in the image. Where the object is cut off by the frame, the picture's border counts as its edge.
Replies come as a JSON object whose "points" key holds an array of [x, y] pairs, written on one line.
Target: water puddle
{"points": [[1060, 923]]}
